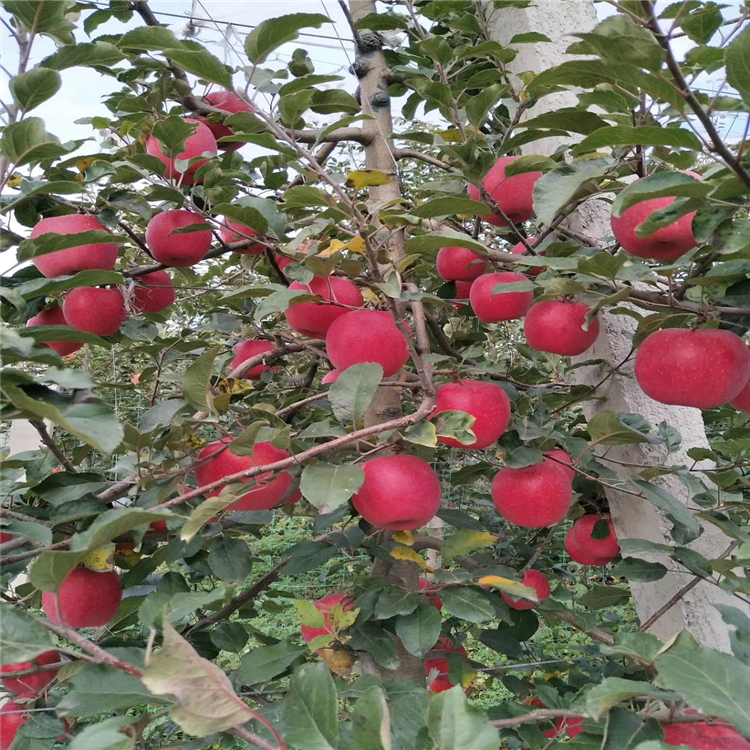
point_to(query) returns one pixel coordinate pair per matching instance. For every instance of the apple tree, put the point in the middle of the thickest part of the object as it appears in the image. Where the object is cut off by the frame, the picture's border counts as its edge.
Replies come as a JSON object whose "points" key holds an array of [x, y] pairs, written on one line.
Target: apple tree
{"points": [[258, 309]]}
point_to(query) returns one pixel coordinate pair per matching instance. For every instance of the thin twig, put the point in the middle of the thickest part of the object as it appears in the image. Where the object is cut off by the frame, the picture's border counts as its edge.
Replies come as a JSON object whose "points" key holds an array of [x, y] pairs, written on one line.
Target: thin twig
{"points": [[41, 428]]}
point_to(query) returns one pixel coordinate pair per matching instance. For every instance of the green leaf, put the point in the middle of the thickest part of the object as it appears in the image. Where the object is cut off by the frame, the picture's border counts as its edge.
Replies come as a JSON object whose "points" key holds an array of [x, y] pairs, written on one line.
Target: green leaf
{"points": [[645, 646], [161, 415], [613, 690], [106, 735], [737, 57], [480, 104], [28, 142], [272, 33], [422, 433], [624, 135], [467, 604], [330, 101], [21, 636], [685, 526], [44, 287], [330, 485], [263, 664], [205, 700], [311, 711], [50, 568], [371, 720], [151, 38], [420, 630], [160, 607], [244, 443], [229, 636], [639, 570], [456, 425], [662, 184], [601, 597], [63, 333], [466, 542], [555, 189], [454, 724], [376, 642], [172, 132], [393, 601], [98, 688], [44, 17], [354, 390], [572, 120], [197, 379], [715, 683], [608, 428], [86, 55], [80, 413], [436, 240], [621, 40], [203, 513], [50, 243], [739, 636], [34, 87], [451, 206], [202, 63], [230, 559]]}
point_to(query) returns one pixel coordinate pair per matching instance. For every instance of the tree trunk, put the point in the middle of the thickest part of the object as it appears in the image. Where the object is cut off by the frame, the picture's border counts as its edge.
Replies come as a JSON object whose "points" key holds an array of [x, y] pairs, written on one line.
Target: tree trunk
{"points": [[633, 517], [372, 70]]}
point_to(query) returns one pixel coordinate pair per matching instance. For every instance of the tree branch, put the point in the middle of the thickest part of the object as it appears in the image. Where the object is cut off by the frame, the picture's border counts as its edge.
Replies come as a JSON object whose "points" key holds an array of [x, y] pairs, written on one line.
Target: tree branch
{"points": [[690, 99], [246, 596], [41, 428]]}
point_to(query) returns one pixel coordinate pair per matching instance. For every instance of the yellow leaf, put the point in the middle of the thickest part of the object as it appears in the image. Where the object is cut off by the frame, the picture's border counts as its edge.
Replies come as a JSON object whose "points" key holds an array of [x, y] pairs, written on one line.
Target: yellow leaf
{"points": [[404, 537], [337, 660], [405, 553], [364, 178], [467, 677], [83, 164], [514, 588], [451, 136], [127, 558], [466, 542], [356, 245], [369, 295], [101, 558], [335, 246], [15, 180]]}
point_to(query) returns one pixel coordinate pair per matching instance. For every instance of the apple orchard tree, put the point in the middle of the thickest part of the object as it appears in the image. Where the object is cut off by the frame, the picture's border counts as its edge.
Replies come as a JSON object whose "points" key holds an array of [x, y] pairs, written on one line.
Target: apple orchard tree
{"points": [[383, 359]]}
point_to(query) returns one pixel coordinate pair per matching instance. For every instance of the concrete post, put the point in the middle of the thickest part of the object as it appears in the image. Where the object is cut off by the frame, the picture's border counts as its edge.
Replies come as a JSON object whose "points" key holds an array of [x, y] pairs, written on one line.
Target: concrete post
{"points": [[633, 517]]}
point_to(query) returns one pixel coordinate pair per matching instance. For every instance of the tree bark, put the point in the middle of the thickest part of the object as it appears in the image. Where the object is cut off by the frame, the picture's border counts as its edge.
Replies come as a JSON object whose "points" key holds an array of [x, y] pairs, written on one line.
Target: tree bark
{"points": [[693, 610]]}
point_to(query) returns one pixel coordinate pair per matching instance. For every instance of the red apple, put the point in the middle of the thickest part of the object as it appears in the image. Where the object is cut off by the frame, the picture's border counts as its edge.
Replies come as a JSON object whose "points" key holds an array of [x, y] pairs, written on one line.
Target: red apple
{"points": [[227, 101], [313, 319], [557, 326], [200, 142], [96, 310], [584, 549], [367, 336], [399, 492], [246, 349], [154, 292], [668, 243], [490, 307], [460, 264], [487, 402], [100, 255], [12, 716], [549, 733], [269, 488], [160, 526], [463, 289], [53, 316], [233, 231], [32, 683], [520, 249], [426, 588], [741, 401], [703, 735], [5, 537], [178, 250], [703, 368], [437, 668], [85, 599], [558, 457], [325, 605], [534, 580], [514, 196], [535, 496]]}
